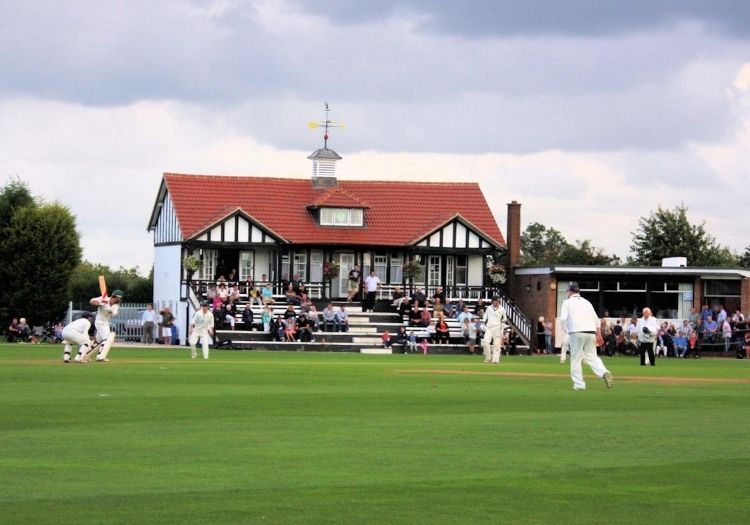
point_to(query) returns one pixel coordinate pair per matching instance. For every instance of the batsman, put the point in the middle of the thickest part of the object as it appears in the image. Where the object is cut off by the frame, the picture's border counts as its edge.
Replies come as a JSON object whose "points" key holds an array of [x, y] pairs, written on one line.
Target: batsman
{"points": [[107, 307], [495, 320]]}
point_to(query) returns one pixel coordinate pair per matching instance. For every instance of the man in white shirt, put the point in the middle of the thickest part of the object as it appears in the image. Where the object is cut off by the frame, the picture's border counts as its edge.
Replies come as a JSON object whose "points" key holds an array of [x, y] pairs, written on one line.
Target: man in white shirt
{"points": [[148, 322], [648, 328], [495, 320], [201, 326], [372, 283], [580, 323]]}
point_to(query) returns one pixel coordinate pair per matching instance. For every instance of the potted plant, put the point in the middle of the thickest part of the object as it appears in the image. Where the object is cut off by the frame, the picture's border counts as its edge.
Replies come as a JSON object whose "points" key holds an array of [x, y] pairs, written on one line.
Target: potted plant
{"points": [[412, 270]]}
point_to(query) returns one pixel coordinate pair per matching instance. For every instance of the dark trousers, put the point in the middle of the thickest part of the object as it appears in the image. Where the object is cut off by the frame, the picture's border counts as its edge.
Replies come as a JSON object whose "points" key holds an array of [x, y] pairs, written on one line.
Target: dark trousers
{"points": [[369, 302], [644, 348]]}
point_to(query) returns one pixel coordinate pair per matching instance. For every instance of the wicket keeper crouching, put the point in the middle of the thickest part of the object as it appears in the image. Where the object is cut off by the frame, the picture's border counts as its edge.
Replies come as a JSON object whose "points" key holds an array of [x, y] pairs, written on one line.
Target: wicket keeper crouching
{"points": [[201, 326], [77, 333], [495, 321]]}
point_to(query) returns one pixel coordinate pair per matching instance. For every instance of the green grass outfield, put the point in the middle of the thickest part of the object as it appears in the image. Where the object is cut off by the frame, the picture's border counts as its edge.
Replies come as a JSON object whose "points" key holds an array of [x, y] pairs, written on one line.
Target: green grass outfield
{"points": [[263, 437]]}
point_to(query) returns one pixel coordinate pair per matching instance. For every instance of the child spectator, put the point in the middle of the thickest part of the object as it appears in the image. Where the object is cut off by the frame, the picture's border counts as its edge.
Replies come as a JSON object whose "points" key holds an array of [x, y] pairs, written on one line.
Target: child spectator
{"points": [[424, 346], [386, 339], [412, 341], [266, 318], [469, 332], [431, 331], [289, 329]]}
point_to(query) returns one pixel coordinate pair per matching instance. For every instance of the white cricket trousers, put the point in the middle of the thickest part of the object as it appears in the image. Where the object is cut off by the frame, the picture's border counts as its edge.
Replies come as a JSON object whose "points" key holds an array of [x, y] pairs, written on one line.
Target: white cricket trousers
{"points": [[494, 335], [583, 350], [205, 341], [71, 337]]}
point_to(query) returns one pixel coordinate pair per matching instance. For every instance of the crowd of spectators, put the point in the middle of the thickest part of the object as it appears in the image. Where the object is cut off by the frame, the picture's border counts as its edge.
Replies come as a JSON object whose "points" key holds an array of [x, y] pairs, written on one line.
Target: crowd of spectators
{"points": [[710, 328]]}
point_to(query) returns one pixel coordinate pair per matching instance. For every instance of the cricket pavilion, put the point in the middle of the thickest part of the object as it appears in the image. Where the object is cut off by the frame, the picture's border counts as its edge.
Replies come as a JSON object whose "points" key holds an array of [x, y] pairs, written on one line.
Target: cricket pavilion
{"points": [[315, 230]]}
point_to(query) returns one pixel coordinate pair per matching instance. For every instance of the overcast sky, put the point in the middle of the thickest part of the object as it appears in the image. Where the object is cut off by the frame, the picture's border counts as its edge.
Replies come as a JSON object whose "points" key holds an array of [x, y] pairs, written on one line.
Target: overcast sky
{"points": [[591, 113]]}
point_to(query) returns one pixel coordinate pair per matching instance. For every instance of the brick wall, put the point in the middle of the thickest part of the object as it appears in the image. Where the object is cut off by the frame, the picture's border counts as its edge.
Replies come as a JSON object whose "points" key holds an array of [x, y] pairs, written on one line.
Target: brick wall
{"points": [[533, 294]]}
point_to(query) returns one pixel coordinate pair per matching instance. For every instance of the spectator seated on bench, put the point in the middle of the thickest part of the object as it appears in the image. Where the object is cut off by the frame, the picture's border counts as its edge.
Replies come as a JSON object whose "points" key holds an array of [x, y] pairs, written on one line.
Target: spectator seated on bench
{"points": [[290, 329], [442, 331], [400, 340], [304, 329], [330, 322], [398, 297], [247, 317], [419, 297], [343, 318]]}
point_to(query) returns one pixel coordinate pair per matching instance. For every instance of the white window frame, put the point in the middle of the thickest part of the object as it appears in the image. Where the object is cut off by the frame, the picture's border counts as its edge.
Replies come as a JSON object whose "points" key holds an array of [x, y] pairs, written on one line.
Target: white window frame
{"points": [[354, 217], [380, 265], [247, 270], [397, 268], [300, 266], [316, 266], [208, 268]]}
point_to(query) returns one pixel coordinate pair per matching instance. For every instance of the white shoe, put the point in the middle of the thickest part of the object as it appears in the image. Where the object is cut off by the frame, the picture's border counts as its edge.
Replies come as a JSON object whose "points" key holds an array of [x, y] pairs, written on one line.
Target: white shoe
{"points": [[102, 360], [607, 379]]}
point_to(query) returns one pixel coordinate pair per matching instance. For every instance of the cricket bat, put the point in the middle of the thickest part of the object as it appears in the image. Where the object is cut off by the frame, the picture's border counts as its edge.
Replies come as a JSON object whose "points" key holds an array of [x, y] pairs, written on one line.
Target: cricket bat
{"points": [[103, 286]]}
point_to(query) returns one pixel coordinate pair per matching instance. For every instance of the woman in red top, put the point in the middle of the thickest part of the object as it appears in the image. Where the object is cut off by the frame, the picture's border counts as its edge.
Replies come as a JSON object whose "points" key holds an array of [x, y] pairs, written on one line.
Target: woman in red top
{"points": [[442, 332]]}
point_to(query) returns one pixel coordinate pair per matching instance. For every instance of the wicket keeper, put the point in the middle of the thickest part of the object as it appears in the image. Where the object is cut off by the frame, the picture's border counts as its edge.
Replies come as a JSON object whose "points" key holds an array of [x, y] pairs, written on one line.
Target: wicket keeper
{"points": [[77, 333]]}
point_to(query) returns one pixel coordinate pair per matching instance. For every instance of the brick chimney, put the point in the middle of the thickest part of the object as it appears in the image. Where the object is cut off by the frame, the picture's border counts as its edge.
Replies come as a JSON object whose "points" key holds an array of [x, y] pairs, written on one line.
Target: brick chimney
{"points": [[513, 236]]}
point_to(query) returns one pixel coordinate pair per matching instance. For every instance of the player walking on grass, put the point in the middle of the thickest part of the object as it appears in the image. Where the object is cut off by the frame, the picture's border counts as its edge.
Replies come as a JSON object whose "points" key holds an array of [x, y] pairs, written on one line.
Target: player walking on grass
{"points": [[202, 326], [495, 320], [77, 333], [107, 307], [581, 324]]}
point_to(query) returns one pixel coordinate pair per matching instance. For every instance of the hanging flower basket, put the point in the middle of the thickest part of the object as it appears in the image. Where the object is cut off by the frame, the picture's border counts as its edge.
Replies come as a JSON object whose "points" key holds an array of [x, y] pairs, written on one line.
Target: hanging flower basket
{"points": [[331, 270], [497, 273], [191, 263]]}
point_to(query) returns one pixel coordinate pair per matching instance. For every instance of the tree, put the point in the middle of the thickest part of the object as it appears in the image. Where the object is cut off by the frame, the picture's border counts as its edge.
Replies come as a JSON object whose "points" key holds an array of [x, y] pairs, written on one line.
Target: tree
{"points": [[584, 253], [542, 246], [669, 233], [14, 195], [84, 283], [40, 247]]}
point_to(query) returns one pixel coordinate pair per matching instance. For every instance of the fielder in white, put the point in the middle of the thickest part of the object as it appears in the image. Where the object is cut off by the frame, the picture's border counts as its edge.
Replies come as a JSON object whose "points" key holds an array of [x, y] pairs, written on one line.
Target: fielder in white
{"points": [[581, 325], [495, 320], [77, 333], [108, 306], [201, 326]]}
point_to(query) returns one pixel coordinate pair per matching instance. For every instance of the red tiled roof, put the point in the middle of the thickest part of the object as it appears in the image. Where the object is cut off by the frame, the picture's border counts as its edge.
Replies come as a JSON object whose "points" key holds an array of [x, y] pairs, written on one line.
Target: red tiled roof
{"points": [[398, 213], [337, 197]]}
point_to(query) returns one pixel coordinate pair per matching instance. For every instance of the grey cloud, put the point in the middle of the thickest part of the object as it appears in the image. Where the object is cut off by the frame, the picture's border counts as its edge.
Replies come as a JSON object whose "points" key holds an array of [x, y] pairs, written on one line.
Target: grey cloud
{"points": [[599, 18]]}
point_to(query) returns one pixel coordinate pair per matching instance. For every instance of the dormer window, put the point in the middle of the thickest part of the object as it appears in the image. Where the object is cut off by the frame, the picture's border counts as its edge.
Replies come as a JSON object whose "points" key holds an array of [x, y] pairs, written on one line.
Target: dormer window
{"points": [[341, 217]]}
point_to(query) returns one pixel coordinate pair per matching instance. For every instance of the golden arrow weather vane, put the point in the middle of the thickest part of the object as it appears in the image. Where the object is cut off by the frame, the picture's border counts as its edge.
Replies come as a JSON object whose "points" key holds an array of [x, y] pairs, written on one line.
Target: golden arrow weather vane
{"points": [[326, 124]]}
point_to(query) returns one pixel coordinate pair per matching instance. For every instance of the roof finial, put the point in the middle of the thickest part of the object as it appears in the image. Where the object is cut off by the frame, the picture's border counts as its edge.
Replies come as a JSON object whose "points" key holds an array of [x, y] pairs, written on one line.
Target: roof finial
{"points": [[325, 124]]}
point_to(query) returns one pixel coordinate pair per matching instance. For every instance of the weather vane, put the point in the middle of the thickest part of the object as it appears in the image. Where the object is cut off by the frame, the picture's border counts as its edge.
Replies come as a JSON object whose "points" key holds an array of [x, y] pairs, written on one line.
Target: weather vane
{"points": [[325, 124]]}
